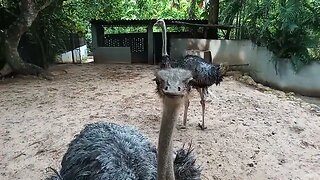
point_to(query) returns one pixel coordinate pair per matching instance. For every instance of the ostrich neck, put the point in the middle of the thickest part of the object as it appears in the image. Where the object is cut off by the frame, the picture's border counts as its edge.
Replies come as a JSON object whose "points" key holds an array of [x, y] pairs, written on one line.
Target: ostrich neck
{"points": [[164, 40], [165, 156]]}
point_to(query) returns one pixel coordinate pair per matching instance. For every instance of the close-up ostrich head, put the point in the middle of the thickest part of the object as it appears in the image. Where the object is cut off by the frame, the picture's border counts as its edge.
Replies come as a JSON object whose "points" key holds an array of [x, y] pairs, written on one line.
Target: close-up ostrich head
{"points": [[173, 83]]}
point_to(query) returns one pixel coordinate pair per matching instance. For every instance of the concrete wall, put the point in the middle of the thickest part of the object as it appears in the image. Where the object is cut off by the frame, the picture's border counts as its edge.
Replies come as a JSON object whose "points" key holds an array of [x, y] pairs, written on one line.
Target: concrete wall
{"points": [[104, 55], [261, 69], [80, 55]]}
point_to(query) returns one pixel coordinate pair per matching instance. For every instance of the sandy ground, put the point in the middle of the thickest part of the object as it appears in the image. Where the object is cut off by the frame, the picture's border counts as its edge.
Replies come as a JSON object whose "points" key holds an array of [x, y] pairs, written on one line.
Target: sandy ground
{"points": [[253, 132]]}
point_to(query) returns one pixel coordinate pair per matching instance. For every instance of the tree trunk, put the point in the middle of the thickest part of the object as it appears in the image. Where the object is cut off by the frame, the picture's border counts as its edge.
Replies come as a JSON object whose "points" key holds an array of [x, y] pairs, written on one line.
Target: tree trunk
{"points": [[12, 36], [16, 63], [192, 9], [213, 19], [192, 30], [42, 48]]}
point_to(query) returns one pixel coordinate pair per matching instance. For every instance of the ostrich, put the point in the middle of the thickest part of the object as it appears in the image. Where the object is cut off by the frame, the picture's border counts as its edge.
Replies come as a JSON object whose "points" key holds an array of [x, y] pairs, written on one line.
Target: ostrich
{"points": [[109, 151], [204, 74]]}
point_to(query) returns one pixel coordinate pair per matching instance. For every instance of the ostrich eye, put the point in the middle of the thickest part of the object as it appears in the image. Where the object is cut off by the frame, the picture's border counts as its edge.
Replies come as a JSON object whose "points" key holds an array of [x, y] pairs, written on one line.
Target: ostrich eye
{"points": [[158, 81]]}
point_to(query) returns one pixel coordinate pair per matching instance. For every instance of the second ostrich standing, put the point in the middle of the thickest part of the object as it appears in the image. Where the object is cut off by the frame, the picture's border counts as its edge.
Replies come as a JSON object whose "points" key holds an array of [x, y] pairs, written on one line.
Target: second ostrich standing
{"points": [[204, 74]]}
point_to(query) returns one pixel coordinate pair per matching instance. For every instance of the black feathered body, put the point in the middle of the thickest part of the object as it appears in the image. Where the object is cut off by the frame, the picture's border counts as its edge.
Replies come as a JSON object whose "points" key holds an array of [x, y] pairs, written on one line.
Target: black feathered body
{"points": [[107, 151], [204, 73], [165, 62]]}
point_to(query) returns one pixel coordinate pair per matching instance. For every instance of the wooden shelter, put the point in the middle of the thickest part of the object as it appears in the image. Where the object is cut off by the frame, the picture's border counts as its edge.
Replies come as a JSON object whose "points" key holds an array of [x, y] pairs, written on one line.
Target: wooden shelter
{"points": [[136, 47]]}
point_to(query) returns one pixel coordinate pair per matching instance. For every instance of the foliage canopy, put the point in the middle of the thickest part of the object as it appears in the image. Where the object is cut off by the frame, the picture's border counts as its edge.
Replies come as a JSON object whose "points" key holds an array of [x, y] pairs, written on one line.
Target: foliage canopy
{"points": [[289, 28]]}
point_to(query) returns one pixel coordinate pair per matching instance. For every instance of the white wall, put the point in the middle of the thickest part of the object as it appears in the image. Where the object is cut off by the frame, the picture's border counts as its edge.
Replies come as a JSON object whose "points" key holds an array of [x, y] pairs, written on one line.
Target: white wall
{"points": [[80, 55], [261, 69]]}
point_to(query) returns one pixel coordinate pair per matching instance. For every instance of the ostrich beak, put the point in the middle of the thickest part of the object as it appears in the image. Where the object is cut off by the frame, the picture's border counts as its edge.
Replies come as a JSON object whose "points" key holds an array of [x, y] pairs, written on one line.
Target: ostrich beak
{"points": [[157, 23]]}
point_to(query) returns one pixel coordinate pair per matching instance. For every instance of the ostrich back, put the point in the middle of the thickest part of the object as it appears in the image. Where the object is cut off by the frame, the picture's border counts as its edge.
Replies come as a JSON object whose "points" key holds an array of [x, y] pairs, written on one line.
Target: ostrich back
{"points": [[169, 62], [204, 73], [107, 151], [165, 62]]}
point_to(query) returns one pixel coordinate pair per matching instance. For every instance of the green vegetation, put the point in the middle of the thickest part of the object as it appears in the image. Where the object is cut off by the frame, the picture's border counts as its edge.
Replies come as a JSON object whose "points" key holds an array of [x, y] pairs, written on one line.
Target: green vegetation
{"points": [[289, 28]]}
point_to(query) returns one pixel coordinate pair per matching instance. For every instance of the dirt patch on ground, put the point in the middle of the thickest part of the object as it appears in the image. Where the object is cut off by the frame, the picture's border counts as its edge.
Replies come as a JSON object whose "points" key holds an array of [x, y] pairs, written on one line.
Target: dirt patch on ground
{"points": [[253, 132]]}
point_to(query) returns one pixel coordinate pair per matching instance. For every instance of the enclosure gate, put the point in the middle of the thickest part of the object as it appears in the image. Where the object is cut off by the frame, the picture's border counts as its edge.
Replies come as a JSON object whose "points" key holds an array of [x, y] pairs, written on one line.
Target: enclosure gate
{"points": [[136, 41]]}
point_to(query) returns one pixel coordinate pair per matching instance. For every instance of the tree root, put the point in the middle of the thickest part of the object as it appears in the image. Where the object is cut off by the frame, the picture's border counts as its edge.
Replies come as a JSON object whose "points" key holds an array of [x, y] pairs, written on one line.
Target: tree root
{"points": [[31, 69], [5, 71], [25, 69]]}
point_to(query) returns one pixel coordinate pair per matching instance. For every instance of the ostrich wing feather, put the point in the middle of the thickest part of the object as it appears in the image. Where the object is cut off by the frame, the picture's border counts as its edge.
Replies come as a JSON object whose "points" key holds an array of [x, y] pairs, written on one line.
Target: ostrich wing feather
{"points": [[108, 151]]}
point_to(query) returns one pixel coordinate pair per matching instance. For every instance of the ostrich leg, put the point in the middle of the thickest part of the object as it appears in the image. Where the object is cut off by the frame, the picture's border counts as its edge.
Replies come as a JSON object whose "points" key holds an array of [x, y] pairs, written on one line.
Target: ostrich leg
{"points": [[203, 104]]}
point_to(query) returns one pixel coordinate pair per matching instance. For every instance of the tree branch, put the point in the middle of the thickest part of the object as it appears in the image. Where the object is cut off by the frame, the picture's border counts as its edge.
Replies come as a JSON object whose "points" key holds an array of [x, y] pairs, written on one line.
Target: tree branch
{"points": [[9, 12], [45, 5], [29, 10]]}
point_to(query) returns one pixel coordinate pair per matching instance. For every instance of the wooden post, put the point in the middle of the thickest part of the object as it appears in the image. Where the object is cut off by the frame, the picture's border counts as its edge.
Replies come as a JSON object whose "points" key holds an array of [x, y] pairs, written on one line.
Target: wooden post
{"points": [[213, 19], [97, 35], [97, 32], [150, 43]]}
